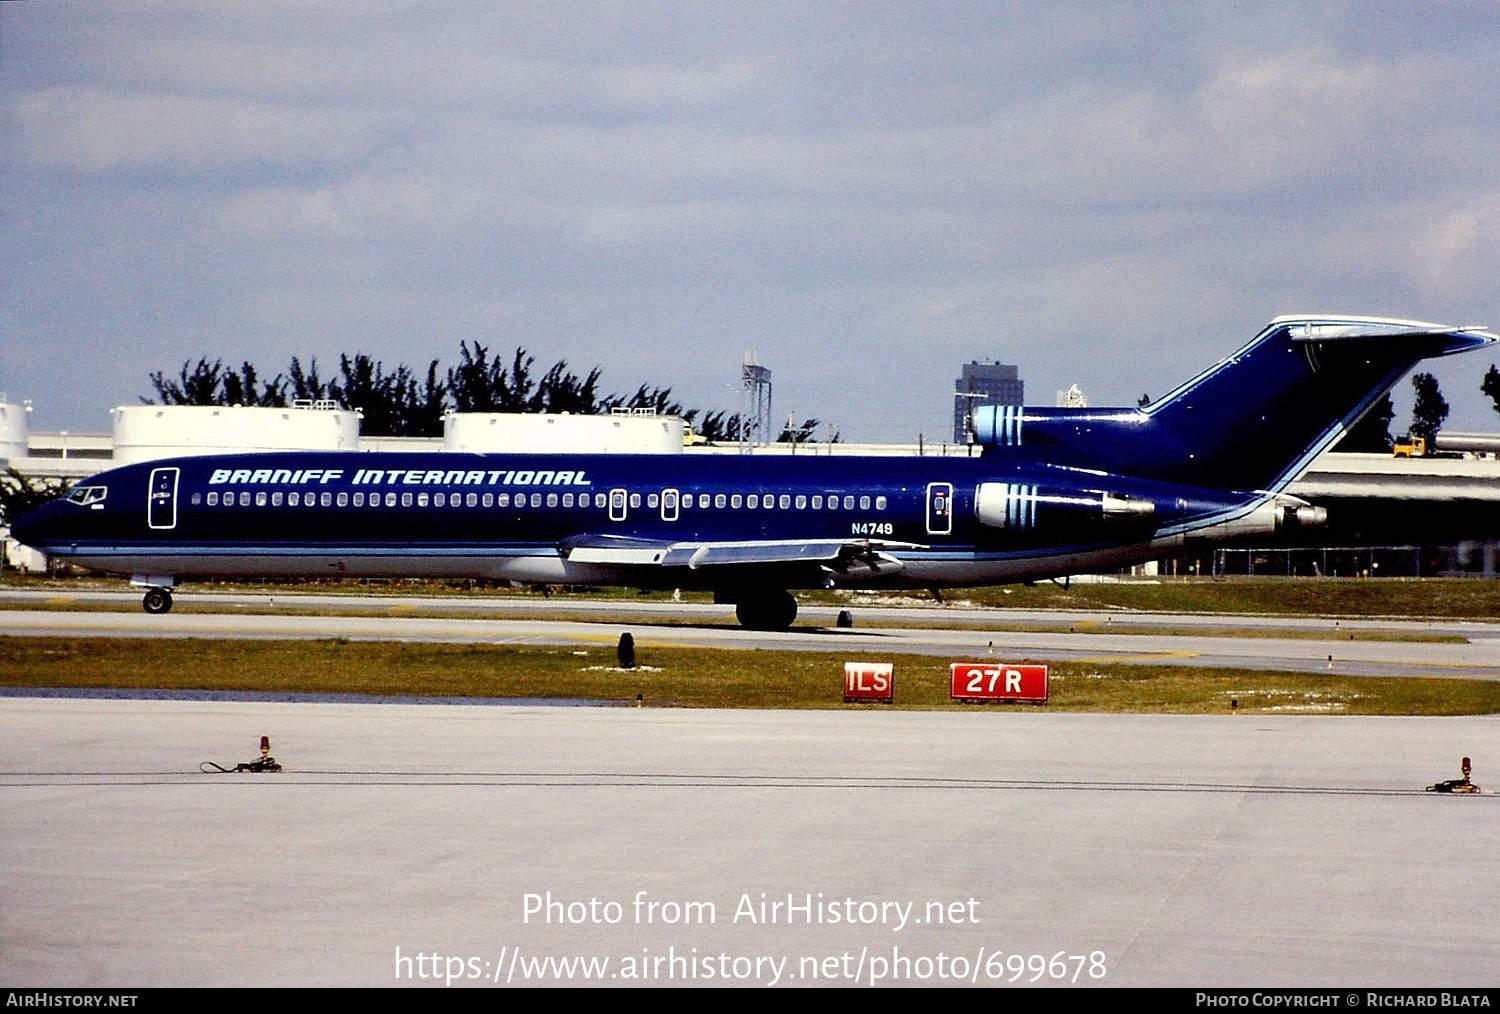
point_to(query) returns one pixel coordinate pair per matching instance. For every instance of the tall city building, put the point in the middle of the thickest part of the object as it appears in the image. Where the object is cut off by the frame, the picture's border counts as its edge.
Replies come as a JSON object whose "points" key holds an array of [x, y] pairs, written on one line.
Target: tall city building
{"points": [[989, 383]]}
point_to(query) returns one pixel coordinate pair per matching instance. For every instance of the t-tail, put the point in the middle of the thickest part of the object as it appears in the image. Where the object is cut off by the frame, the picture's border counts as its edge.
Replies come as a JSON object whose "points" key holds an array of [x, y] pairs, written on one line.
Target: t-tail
{"points": [[1252, 422]]}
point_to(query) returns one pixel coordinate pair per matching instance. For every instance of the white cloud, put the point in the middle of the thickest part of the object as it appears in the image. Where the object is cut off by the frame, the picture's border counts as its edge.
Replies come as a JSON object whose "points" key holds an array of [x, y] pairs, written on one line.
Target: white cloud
{"points": [[89, 130], [363, 209], [1442, 248], [903, 185], [1455, 249]]}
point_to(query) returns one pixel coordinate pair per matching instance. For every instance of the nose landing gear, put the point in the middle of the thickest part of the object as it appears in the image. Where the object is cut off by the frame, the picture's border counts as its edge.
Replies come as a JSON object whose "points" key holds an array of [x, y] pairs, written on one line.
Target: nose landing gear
{"points": [[158, 597]]}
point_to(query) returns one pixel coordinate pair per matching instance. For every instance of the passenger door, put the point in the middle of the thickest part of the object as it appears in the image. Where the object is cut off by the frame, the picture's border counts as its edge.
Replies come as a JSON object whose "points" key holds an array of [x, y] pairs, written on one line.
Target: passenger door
{"points": [[161, 502]]}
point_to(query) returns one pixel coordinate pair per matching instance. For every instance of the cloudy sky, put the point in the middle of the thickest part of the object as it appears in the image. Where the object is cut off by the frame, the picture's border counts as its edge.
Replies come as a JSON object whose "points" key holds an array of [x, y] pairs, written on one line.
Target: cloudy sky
{"points": [[865, 194]]}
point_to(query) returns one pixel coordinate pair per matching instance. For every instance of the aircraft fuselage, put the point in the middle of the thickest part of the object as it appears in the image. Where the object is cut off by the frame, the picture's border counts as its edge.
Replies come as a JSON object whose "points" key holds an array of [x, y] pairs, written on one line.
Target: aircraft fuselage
{"points": [[511, 517]]}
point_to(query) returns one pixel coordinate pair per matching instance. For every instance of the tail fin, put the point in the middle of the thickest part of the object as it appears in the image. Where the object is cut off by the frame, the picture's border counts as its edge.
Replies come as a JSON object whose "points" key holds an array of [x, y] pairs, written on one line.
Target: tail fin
{"points": [[1254, 420]]}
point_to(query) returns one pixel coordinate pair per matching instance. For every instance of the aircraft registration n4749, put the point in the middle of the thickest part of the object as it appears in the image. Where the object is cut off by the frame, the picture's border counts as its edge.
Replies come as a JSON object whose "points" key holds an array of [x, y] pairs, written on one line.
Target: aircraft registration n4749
{"points": [[1054, 492]]}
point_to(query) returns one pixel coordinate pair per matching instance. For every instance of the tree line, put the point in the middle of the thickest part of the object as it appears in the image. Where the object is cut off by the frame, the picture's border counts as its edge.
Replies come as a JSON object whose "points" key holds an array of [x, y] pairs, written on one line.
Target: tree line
{"points": [[1428, 412], [403, 402]]}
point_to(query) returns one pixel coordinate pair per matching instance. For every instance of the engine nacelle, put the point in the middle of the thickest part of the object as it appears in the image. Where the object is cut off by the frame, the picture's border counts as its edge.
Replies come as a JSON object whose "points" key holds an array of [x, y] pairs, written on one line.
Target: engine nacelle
{"points": [[1016, 506], [1281, 512], [1052, 428]]}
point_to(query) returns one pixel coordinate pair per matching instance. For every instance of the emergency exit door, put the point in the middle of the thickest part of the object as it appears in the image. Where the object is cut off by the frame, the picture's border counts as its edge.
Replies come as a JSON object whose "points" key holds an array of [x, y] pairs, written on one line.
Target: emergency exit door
{"points": [[939, 508]]}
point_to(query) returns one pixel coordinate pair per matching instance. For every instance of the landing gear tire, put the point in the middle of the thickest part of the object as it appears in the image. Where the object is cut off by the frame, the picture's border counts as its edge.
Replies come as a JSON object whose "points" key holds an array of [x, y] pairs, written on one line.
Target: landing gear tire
{"points": [[157, 601], [770, 611]]}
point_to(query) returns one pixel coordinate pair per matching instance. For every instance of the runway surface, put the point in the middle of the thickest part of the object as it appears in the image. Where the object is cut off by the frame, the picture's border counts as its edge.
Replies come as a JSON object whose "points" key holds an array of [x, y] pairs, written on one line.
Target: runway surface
{"points": [[485, 845], [1294, 644], [513, 843]]}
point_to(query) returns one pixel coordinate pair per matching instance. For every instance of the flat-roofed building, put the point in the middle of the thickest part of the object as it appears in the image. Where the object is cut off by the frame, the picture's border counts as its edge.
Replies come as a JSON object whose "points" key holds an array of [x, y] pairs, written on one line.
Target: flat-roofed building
{"points": [[983, 383]]}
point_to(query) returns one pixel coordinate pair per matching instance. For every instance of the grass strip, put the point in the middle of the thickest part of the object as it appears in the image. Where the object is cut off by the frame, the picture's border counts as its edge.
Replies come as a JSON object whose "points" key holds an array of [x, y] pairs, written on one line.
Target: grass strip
{"points": [[673, 676], [1450, 598], [290, 606]]}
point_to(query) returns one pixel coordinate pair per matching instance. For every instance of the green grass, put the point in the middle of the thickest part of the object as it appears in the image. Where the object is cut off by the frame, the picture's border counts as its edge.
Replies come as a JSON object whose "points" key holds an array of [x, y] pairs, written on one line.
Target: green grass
{"points": [[1432, 598], [602, 613], [672, 676], [1451, 598]]}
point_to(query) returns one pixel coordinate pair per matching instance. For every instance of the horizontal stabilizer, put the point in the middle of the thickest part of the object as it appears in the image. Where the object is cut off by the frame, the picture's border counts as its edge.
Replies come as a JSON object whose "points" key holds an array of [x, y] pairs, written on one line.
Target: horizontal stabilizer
{"points": [[1324, 332]]}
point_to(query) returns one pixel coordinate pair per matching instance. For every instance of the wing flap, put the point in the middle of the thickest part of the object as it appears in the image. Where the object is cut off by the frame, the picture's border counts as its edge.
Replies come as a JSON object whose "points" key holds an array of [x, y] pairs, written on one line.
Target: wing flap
{"points": [[837, 555], [616, 550], [616, 556], [694, 555]]}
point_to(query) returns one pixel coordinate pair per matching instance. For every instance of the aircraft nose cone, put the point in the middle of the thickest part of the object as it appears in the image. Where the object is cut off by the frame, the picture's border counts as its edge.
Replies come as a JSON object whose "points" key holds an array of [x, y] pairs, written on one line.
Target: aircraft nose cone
{"points": [[30, 528]]}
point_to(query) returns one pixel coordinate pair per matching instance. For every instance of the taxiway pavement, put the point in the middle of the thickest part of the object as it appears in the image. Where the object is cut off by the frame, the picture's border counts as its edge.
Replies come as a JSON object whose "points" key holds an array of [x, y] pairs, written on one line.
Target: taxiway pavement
{"points": [[1291, 644], [403, 844]]}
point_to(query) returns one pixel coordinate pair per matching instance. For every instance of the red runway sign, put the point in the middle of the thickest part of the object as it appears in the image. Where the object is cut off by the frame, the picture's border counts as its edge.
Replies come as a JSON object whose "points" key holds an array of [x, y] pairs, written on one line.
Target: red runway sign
{"points": [[989, 681], [869, 681]]}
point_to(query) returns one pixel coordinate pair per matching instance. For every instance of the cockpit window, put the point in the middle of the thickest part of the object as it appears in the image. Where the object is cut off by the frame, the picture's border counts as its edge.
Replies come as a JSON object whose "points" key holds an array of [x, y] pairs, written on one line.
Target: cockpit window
{"points": [[85, 495]]}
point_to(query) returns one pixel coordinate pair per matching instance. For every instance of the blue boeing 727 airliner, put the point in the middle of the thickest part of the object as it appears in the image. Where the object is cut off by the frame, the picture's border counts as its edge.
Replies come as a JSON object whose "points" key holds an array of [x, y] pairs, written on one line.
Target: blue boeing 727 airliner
{"points": [[1055, 491]]}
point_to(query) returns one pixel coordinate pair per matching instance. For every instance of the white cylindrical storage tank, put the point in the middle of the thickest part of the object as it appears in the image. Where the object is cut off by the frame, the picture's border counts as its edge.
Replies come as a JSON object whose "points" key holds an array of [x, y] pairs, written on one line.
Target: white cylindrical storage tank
{"points": [[148, 432], [501, 432], [1481, 443], [15, 431]]}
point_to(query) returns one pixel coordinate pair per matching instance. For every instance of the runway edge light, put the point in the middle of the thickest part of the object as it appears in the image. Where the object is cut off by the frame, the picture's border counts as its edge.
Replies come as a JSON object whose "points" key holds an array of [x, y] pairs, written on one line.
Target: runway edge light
{"points": [[1462, 785]]}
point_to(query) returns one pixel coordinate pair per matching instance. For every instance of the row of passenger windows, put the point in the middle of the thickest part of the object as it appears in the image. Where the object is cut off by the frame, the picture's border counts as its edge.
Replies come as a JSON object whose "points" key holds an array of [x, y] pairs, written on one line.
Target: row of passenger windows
{"points": [[686, 501]]}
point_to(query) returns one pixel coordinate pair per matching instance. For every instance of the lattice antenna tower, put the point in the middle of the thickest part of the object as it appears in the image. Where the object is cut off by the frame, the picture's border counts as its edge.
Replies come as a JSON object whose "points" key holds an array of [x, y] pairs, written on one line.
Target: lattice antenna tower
{"points": [[755, 404]]}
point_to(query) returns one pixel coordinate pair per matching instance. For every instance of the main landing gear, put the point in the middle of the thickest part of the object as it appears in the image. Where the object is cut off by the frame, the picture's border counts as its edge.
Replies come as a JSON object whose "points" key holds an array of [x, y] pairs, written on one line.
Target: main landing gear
{"points": [[773, 609], [157, 601]]}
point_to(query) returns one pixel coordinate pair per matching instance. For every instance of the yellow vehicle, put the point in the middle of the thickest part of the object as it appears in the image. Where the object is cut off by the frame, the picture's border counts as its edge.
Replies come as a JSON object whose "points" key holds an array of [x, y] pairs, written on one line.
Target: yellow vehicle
{"points": [[1411, 447]]}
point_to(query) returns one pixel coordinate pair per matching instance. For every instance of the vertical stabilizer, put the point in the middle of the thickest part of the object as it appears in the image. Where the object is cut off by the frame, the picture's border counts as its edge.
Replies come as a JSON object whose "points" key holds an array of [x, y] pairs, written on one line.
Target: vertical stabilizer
{"points": [[1252, 421]]}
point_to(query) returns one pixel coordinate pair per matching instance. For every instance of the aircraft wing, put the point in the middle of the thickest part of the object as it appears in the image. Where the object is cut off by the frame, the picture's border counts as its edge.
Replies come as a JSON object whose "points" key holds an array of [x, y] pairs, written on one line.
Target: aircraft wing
{"points": [[836, 556]]}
